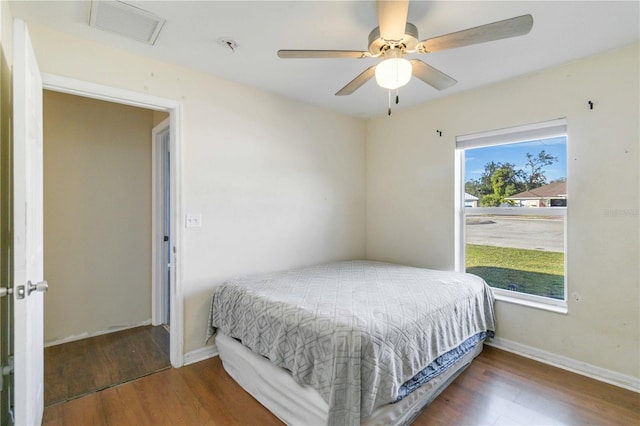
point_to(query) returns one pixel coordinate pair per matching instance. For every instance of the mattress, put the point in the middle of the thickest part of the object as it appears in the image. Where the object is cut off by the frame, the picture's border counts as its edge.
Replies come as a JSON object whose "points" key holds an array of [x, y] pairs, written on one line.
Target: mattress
{"points": [[354, 331], [299, 405]]}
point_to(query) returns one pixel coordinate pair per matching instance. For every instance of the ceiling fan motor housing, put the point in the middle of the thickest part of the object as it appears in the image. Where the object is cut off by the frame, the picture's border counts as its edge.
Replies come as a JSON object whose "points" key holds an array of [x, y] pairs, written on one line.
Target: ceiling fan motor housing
{"points": [[378, 45]]}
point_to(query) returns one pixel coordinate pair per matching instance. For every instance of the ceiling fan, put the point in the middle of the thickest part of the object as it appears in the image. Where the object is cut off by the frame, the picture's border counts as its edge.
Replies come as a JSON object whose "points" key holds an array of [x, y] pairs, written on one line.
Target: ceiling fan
{"points": [[395, 37]]}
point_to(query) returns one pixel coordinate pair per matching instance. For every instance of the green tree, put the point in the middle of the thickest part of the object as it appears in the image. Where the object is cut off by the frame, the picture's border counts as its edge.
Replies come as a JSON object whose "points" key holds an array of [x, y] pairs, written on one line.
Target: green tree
{"points": [[502, 180], [481, 187], [506, 180], [472, 187], [491, 200], [535, 174]]}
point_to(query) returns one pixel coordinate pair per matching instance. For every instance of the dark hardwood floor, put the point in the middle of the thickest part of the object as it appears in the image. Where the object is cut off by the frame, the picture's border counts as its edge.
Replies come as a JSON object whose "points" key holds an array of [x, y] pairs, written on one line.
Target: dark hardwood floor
{"points": [[499, 388], [84, 366]]}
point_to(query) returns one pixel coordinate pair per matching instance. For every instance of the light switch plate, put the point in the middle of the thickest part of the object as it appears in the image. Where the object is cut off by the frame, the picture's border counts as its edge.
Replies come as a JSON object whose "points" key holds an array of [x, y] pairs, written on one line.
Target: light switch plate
{"points": [[193, 220]]}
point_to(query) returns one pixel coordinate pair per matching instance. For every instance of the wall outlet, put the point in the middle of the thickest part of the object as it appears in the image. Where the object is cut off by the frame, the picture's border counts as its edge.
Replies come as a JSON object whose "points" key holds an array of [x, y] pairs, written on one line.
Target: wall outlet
{"points": [[193, 220]]}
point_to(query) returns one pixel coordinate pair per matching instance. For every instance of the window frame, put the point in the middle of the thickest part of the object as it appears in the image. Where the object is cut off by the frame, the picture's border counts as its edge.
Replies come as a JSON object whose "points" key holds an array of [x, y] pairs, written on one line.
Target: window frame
{"points": [[530, 132]]}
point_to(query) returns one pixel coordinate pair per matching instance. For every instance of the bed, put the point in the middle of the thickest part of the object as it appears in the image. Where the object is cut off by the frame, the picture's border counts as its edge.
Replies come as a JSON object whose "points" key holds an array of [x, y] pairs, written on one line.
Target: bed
{"points": [[351, 342]]}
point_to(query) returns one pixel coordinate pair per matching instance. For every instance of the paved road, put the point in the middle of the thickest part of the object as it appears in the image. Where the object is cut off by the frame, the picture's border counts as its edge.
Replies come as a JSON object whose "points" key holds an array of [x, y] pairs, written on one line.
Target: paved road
{"points": [[516, 232]]}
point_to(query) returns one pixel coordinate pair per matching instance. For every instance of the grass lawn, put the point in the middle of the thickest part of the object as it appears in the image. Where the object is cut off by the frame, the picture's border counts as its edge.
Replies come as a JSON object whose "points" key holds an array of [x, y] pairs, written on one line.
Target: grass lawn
{"points": [[528, 271]]}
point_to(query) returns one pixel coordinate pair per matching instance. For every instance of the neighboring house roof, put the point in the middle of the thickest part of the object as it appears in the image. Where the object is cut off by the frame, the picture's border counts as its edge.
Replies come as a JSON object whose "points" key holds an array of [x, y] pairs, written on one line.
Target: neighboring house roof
{"points": [[469, 197], [552, 190]]}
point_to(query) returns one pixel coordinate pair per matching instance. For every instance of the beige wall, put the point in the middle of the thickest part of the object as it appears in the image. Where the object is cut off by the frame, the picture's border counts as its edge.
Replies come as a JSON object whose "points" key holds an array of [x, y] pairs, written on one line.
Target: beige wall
{"points": [[278, 183], [6, 31], [410, 198], [97, 215], [6, 112], [159, 117]]}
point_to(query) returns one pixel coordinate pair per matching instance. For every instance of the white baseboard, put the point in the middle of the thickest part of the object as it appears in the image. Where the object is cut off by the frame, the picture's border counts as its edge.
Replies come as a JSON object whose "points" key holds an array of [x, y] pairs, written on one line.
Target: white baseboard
{"points": [[200, 354], [579, 367], [86, 335]]}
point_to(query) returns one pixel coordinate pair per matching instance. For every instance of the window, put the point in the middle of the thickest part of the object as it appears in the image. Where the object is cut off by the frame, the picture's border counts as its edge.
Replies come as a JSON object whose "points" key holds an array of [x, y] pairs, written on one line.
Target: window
{"points": [[512, 211]]}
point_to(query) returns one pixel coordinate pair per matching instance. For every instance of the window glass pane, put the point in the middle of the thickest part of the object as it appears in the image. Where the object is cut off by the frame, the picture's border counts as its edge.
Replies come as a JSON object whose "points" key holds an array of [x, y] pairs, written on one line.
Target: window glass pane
{"points": [[518, 253], [524, 174], [521, 250]]}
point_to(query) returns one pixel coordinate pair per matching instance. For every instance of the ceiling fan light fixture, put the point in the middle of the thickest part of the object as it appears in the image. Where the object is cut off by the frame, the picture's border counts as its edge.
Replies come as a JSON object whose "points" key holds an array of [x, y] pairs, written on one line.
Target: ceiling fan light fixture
{"points": [[393, 73]]}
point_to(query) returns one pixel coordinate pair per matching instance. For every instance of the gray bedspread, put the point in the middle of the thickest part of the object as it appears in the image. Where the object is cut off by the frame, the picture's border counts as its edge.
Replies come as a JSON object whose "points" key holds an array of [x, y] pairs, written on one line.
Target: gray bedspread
{"points": [[353, 330]]}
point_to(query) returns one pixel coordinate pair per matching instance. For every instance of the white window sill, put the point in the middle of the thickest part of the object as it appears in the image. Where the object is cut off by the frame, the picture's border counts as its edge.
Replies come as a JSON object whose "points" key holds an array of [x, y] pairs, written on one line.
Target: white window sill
{"points": [[557, 306]]}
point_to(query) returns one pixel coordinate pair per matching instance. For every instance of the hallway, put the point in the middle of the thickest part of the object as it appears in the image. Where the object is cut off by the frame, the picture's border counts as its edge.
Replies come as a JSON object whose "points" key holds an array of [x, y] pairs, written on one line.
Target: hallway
{"points": [[85, 366]]}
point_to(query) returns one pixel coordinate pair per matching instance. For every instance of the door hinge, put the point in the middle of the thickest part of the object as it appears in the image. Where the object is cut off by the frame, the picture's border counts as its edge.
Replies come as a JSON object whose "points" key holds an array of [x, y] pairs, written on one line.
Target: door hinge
{"points": [[6, 370]]}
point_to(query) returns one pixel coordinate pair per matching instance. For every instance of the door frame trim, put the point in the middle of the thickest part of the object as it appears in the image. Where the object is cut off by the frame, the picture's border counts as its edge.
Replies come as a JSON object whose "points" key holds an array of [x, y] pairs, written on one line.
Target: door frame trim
{"points": [[159, 261], [86, 89]]}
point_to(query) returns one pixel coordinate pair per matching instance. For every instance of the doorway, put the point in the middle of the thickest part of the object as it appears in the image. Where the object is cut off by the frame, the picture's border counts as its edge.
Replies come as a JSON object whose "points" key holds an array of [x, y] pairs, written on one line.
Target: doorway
{"points": [[97, 216], [174, 108], [98, 230]]}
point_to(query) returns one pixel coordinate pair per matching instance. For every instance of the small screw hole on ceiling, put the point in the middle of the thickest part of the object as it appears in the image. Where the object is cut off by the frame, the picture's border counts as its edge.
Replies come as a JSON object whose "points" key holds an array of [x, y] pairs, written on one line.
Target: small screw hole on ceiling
{"points": [[228, 44]]}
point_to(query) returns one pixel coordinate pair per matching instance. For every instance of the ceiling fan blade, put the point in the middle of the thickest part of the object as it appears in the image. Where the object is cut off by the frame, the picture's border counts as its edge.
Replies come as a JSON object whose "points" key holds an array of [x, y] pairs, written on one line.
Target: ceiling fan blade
{"points": [[430, 75], [355, 84], [323, 54], [392, 18], [513, 27]]}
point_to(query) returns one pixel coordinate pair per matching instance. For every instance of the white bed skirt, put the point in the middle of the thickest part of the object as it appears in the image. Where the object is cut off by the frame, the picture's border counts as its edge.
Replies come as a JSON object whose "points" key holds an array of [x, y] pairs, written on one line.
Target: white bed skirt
{"points": [[298, 405]]}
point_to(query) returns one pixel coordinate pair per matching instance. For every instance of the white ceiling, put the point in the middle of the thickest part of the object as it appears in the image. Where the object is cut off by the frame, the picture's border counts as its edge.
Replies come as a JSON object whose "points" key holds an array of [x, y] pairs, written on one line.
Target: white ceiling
{"points": [[562, 31]]}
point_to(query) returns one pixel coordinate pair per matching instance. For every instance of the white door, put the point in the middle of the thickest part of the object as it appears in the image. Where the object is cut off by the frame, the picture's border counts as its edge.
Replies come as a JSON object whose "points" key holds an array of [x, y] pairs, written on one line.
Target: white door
{"points": [[28, 283]]}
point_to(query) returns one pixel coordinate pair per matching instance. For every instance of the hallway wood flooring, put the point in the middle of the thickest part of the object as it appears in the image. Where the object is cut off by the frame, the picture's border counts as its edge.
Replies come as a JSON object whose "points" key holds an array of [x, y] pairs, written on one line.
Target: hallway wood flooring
{"points": [[84, 366]]}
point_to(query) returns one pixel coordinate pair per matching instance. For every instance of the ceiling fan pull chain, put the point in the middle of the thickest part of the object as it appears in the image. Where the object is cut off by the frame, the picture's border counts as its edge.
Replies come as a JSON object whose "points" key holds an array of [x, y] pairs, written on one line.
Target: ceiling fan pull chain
{"points": [[397, 98], [389, 110]]}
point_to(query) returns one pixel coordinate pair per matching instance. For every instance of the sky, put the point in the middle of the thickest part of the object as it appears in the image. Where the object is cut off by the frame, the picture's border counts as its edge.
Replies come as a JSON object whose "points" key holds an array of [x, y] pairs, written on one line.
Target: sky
{"points": [[516, 153]]}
